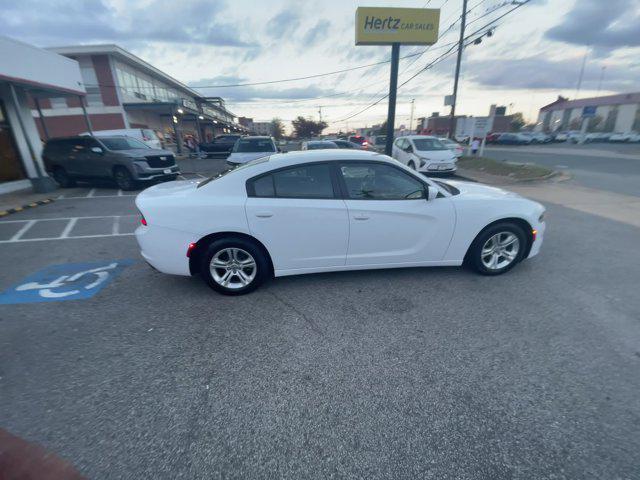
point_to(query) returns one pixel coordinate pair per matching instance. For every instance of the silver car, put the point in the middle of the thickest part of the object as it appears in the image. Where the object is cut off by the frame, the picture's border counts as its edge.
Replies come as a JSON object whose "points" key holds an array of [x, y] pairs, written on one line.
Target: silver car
{"points": [[123, 159]]}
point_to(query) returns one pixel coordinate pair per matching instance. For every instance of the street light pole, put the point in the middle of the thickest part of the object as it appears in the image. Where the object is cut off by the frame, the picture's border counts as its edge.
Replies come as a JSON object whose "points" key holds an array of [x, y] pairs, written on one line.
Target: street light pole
{"points": [[413, 101], [463, 23]]}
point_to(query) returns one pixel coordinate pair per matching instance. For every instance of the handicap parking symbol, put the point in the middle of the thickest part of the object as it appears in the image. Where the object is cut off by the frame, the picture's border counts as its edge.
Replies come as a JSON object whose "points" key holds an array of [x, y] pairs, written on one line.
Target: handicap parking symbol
{"points": [[72, 281]]}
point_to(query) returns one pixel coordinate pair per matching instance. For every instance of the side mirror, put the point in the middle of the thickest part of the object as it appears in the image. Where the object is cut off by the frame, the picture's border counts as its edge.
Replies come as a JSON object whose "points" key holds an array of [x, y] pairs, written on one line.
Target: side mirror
{"points": [[432, 193], [97, 150]]}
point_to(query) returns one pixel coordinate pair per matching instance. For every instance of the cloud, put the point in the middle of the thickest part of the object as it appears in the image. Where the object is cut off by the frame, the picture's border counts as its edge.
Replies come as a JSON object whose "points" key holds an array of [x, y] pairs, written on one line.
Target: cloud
{"points": [[316, 34], [283, 24], [61, 22], [603, 24], [541, 73]]}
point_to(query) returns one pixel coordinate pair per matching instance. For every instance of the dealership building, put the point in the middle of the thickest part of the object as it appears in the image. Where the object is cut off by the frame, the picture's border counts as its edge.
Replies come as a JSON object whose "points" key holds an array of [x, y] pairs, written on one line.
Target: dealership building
{"points": [[28, 75], [124, 91], [613, 113]]}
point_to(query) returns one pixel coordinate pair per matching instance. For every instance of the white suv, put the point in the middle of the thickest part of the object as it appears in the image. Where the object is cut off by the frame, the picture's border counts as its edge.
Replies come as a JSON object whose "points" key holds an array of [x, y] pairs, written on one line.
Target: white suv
{"points": [[424, 154]]}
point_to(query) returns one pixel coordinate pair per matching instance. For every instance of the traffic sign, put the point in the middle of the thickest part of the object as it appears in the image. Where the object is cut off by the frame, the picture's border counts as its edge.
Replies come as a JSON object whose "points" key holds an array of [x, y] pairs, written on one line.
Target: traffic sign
{"points": [[589, 111], [386, 26]]}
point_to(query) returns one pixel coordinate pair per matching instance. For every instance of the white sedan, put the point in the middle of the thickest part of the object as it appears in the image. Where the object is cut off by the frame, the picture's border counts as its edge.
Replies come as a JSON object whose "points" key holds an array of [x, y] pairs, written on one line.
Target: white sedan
{"points": [[247, 149], [330, 210], [425, 154]]}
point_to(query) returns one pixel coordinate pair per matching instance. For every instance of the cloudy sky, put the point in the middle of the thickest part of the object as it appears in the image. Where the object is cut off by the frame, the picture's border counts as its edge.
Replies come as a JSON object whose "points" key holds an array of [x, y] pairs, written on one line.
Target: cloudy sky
{"points": [[534, 55]]}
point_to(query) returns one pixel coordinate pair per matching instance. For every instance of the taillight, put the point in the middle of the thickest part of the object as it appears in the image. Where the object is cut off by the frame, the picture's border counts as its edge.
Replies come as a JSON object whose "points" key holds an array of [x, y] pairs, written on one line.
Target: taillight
{"points": [[143, 220], [534, 233], [190, 249]]}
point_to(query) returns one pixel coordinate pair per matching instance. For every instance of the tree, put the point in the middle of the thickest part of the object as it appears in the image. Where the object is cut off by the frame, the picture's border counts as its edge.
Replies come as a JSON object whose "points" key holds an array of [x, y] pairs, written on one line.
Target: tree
{"points": [[307, 128], [517, 121], [277, 129]]}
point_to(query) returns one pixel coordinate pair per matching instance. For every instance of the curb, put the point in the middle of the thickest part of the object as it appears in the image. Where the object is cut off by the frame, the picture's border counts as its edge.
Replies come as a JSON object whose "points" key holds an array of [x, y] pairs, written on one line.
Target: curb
{"points": [[562, 176], [4, 213]]}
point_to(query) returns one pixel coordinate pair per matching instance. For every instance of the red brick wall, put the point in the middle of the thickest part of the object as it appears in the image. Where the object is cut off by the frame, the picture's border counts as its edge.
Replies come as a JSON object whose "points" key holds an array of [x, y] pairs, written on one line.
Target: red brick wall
{"points": [[105, 79], [74, 124]]}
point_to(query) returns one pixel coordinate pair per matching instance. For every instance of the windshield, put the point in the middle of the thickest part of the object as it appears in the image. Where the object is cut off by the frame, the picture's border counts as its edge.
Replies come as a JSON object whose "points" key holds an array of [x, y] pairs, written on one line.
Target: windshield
{"points": [[321, 145], [122, 143], [427, 144], [243, 166], [249, 145]]}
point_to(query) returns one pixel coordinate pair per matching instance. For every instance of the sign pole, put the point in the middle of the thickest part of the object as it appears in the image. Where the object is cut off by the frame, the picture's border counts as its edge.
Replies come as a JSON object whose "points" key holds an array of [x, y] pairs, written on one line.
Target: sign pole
{"points": [[393, 89]]}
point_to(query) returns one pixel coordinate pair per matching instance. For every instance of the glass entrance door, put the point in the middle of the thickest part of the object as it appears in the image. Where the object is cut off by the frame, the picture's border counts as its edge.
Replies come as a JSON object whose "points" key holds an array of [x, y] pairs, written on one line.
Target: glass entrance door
{"points": [[10, 164]]}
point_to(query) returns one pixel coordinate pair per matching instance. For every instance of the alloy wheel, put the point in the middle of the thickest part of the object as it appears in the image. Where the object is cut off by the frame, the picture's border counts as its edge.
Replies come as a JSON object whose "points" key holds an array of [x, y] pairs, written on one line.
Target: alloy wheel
{"points": [[500, 250], [233, 268]]}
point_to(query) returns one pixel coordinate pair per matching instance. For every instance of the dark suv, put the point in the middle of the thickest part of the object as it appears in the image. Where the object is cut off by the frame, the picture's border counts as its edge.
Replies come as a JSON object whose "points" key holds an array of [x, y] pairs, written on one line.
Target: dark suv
{"points": [[120, 158]]}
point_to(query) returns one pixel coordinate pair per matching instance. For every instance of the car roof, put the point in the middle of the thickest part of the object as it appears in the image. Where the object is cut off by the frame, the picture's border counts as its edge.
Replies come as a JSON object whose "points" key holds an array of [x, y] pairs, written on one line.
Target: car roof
{"points": [[417, 137], [304, 156], [320, 141], [263, 137]]}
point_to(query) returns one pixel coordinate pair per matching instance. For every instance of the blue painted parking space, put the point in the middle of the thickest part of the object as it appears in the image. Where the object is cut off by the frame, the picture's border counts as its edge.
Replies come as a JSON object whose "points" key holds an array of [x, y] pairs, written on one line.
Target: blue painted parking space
{"points": [[71, 281]]}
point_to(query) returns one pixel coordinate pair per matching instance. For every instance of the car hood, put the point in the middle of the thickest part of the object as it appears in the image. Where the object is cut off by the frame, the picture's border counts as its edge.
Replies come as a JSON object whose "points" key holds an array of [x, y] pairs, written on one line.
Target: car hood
{"points": [[247, 156], [478, 189], [435, 154]]}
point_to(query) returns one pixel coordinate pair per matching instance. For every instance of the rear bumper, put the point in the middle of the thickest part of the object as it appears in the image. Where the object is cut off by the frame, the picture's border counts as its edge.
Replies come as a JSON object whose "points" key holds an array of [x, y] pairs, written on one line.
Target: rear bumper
{"points": [[435, 168], [165, 249]]}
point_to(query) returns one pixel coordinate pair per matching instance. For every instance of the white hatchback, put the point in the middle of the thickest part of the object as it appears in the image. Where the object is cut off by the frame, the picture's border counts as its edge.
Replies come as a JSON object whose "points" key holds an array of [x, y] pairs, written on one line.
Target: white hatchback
{"points": [[247, 149], [424, 154], [330, 210]]}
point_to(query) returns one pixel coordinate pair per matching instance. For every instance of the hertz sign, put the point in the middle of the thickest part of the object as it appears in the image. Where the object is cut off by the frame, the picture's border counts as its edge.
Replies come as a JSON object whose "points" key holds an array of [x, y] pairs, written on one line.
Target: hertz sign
{"points": [[408, 26]]}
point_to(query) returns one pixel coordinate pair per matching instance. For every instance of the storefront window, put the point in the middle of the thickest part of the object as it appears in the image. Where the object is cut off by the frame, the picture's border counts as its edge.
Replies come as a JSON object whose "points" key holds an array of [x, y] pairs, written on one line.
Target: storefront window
{"points": [[10, 163]]}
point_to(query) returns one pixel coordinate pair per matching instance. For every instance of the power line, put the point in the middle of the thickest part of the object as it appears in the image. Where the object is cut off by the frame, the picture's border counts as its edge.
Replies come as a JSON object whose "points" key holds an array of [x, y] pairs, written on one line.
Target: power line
{"points": [[437, 60]]}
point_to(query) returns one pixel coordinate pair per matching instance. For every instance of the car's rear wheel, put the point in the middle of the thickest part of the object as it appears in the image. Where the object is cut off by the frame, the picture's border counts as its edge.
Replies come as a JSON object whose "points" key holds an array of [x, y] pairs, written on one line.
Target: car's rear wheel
{"points": [[124, 179], [497, 249], [61, 176], [234, 266]]}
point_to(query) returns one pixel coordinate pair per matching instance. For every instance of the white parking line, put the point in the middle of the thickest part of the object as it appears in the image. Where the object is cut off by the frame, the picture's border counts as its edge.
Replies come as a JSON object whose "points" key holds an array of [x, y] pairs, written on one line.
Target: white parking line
{"points": [[23, 230], [91, 193], [119, 193], [66, 232], [68, 227]]}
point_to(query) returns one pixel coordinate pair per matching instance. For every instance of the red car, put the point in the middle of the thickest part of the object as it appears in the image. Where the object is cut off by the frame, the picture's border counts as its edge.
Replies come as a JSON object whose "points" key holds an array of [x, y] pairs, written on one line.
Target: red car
{"points": [[493, 137]]}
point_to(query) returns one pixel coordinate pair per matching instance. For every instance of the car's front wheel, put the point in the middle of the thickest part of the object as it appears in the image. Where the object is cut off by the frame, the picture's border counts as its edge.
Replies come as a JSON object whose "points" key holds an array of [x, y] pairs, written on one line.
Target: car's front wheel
{"points": [[497, 249], [234, 266], [124, 179]]}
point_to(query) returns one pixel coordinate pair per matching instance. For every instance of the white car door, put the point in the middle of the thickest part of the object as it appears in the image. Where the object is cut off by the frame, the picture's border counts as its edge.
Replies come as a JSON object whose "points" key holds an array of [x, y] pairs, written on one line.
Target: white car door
{"points": [[297, 213], [391, 221]]}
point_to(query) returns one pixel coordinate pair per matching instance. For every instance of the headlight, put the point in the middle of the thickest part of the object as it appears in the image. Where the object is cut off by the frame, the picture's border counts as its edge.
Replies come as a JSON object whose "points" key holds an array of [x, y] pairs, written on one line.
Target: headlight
{"points": [[423, 161]]}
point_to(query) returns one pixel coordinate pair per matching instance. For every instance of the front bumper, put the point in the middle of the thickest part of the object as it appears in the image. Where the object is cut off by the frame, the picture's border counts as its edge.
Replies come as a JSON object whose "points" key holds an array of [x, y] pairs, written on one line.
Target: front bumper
{"points": [[437, 167], [146, 174], [537, 244]]}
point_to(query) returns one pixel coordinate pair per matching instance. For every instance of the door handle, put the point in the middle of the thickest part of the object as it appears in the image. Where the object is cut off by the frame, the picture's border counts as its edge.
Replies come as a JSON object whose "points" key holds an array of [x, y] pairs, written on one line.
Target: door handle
{"points": [[264, 214], [361, 216]]}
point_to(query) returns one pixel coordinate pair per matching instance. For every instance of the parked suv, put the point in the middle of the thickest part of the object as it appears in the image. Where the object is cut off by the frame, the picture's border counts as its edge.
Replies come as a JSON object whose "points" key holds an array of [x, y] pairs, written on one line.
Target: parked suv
{"points": [[123, 159]]}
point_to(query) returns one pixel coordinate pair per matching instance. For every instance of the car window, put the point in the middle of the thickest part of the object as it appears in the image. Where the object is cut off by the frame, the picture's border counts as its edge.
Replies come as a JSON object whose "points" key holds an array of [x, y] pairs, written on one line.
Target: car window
{"points": [[380, 182], [247, 145], [122, 143], [400, 143], [91, 142], [427, 144], [307, 181]]}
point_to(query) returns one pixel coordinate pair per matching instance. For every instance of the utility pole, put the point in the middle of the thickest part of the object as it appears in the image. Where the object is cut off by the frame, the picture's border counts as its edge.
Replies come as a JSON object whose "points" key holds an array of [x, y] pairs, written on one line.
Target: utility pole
{"points": [[601, 78], [584, 61], [393, 90], [320, 112], [463, 24], [413, 100]]}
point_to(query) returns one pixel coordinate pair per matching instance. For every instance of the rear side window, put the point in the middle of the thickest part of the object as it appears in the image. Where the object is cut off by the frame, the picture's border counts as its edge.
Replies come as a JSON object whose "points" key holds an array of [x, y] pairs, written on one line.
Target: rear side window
{"points": [[308, 181]]}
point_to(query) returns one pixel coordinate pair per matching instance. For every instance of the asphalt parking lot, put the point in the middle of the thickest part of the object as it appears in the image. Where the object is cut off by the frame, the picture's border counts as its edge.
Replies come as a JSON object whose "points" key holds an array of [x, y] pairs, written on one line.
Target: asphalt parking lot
{"points": [[409, 373]]}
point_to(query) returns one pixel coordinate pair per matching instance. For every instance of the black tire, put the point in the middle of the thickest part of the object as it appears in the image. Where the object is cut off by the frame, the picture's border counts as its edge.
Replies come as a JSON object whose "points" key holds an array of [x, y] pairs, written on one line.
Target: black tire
{"points": [[61, 176], [474, 257], [262, 265], [124, 179]]}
